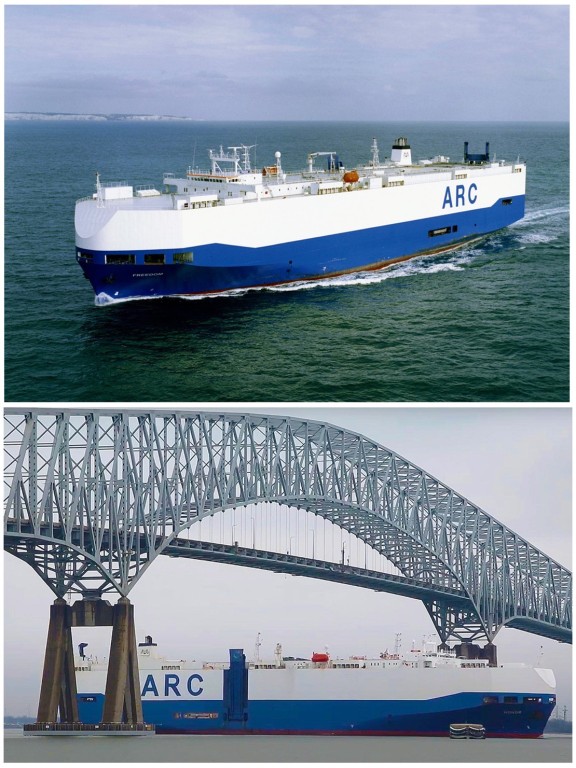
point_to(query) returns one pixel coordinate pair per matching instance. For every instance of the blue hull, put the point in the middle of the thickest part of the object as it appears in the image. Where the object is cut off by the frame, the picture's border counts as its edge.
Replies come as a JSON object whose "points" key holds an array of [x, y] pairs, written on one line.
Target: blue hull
{"points": [[362, 718], [215, 268]]}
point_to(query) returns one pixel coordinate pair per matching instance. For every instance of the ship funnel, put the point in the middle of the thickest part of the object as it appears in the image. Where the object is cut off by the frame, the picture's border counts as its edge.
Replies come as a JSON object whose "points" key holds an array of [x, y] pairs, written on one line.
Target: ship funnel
{"points": [[401, 152], [476, 159]]}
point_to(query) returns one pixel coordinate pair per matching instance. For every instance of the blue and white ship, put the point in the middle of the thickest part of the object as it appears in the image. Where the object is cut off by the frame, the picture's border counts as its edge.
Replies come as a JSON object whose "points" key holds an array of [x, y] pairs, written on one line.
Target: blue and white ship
{"points": [[422, 692], [232, 228]]}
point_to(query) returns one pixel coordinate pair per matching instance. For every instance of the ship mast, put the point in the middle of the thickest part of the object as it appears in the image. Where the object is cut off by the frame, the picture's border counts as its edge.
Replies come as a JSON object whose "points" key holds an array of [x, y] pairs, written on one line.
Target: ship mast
{"points": [[257, 648], [99, 194], [232, 157], [375, 158]]}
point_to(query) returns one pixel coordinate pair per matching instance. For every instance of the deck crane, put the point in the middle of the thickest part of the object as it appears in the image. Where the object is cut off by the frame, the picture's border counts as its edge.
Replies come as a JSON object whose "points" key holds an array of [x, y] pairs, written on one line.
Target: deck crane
{"points": [[334, 163]]}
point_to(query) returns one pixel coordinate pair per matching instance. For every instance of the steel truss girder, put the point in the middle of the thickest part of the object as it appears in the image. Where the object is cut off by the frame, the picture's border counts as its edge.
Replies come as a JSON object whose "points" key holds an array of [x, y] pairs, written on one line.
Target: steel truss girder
{"points": [[101, 493]]}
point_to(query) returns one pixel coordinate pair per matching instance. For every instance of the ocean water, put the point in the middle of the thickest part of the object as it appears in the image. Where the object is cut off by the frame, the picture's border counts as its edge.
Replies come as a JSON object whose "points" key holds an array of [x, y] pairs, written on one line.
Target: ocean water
{"points": [[281, 749], [485, 323]]}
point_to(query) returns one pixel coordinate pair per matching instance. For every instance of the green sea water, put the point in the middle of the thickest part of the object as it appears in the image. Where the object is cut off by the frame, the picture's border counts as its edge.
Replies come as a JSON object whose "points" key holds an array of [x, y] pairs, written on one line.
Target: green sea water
{"points": [[485, 323]]}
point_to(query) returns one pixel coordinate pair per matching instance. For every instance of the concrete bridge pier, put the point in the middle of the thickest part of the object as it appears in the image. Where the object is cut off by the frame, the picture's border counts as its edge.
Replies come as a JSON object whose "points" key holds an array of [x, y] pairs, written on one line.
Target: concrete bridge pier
{"points": [[123, 702], [58, 689], [58, 705]]}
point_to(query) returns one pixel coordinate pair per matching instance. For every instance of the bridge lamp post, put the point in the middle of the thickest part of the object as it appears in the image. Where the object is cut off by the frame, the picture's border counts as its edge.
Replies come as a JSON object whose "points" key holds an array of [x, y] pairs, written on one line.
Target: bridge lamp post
{"points": [[313, 543]]}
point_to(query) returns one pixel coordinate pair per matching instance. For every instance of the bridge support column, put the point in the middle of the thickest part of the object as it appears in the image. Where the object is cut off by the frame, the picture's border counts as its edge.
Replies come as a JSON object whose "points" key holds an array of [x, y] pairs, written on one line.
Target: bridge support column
{"points": [[58, 690], [58, 705], [489, 652], [58, 693], [123, 702]]}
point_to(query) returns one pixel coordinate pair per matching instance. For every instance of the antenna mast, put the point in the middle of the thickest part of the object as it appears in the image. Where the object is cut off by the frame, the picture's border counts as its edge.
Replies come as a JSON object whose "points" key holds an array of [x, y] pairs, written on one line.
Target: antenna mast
{"points": [[99, 195], [375, 158], [257, 648]]}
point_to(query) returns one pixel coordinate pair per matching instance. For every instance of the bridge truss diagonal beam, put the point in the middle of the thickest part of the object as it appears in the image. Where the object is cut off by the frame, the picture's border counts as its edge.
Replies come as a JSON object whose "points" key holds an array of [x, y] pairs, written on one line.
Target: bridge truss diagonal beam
{"points": [[94, 496]]}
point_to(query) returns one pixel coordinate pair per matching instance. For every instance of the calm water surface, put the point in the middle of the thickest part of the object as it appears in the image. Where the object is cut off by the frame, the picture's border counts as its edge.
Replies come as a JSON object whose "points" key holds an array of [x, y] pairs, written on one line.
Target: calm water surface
{"points": [[259, 749], [486, 323]]}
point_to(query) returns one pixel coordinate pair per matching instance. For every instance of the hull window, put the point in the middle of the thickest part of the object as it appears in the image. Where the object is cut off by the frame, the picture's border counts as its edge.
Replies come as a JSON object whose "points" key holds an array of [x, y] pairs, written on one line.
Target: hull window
{"points": [[183, 258], [440, 231], [120, 258], [153, 258]]}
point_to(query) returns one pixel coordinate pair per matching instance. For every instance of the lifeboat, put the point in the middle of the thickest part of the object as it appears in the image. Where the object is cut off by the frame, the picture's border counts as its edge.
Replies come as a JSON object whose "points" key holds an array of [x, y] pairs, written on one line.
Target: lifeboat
{"points": [[320, 657], [350, 177]]}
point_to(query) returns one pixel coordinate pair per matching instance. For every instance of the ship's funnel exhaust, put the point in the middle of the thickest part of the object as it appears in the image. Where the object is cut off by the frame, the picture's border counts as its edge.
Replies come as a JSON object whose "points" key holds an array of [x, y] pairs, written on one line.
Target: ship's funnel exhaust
{"points": [[401, 152], [476, 159]]}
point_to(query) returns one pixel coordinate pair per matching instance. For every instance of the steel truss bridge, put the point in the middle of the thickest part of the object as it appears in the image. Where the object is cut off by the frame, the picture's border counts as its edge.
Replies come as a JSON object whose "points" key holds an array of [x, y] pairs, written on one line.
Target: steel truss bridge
{"points": [[94, 496]]}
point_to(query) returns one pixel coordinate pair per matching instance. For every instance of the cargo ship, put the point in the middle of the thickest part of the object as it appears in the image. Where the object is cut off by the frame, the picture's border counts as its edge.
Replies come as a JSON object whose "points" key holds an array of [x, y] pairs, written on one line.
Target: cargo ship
{"points": [[233, 228], [420, 693]]}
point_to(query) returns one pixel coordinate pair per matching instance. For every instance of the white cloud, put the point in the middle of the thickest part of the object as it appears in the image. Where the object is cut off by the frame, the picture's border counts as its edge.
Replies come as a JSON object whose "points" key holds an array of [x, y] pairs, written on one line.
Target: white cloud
{"points": [[446, 62]]}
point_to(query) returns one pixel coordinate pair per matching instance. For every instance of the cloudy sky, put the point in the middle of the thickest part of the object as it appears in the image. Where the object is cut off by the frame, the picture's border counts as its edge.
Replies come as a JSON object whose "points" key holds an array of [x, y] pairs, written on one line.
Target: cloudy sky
{"points": [[290, 62], [515, 463]]}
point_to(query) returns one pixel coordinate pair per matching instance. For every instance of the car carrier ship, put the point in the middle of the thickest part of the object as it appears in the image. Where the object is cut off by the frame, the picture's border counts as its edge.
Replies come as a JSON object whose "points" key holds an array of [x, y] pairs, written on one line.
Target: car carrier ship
{"points": [[422, 692], [232, 228]]}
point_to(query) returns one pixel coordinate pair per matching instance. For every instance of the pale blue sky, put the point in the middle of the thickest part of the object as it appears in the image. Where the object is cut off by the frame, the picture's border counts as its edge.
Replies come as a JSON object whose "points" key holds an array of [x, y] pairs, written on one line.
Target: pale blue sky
{"points": [[291, 62]]}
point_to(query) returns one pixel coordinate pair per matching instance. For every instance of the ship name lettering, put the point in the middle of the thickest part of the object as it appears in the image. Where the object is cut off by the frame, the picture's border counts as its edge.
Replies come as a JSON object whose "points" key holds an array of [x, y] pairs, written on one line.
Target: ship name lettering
{"points": [[150, 686], [195, 678], [461, 196], [171, 683]]}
